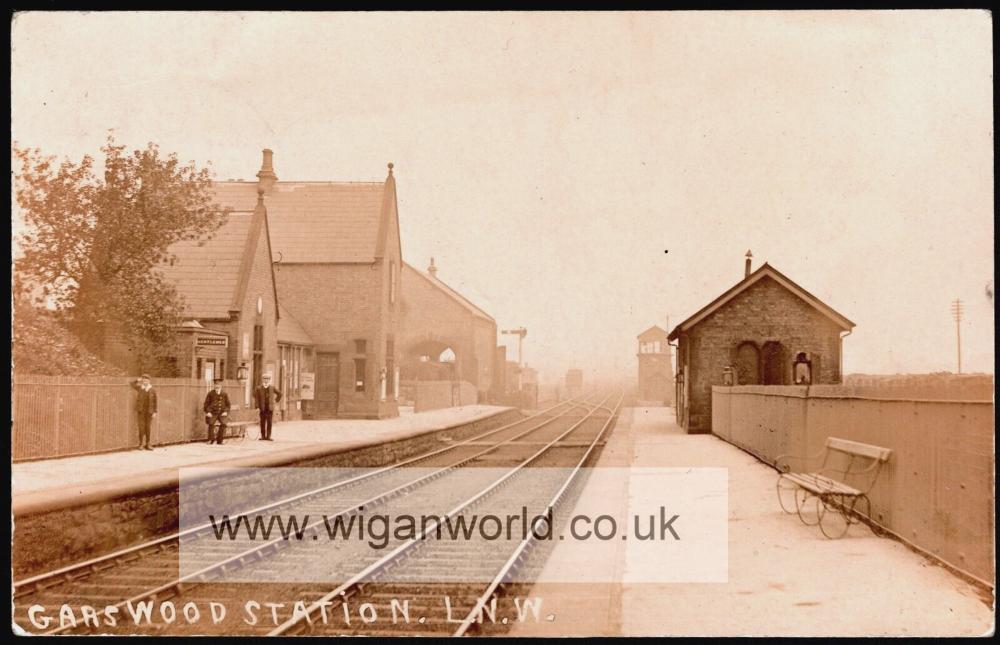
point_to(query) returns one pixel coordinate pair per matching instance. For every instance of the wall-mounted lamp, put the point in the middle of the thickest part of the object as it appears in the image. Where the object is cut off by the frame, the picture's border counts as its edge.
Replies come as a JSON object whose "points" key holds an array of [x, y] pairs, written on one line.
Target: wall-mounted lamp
{"points": [[243, 373], [802, 369], [728, 376]]}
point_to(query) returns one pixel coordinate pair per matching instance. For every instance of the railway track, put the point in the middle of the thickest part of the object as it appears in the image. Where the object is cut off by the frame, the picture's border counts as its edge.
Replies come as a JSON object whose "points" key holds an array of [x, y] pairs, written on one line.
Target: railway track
{"points": [[149, 572]]}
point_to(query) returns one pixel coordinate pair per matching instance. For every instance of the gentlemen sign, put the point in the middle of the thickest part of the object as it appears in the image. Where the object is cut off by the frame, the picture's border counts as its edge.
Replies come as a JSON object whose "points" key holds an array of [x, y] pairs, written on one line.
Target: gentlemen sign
{"points": [[222, 341]]}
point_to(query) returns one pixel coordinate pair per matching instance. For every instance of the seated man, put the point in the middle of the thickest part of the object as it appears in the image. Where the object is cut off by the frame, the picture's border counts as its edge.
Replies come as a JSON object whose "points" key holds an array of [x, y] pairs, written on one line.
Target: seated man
{"points": [[216, 411]]}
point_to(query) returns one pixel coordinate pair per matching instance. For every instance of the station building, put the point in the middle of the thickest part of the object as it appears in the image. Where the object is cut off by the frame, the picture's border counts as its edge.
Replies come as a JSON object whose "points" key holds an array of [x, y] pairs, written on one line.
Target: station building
{"points": [[655, 368], [765, 330], [230, 300], [444, 336], [337, 266]]}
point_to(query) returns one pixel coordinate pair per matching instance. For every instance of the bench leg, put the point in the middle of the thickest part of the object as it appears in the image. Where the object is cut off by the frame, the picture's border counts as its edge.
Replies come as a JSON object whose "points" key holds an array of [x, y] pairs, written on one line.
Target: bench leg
{"points": [[808, 506], [835, 518], [786, 495]]}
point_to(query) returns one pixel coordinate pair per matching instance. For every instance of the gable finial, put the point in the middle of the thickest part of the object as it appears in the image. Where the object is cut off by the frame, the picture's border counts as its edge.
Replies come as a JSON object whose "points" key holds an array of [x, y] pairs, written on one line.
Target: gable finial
{"points": [[390, 168]]}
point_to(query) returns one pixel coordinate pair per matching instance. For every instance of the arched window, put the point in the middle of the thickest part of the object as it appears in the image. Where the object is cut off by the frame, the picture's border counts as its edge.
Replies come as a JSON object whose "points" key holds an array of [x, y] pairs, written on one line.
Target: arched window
{"points": [[774, 363], [747, 364]]}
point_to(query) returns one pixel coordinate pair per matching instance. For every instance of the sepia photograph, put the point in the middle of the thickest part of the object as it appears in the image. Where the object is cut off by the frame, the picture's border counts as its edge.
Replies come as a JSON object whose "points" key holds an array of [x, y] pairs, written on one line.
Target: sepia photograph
{"points": [[503, 324]]}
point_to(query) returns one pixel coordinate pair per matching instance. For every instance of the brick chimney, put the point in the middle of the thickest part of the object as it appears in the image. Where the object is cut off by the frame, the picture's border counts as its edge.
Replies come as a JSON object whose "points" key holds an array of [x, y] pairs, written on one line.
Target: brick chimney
{"points": [[433, 270], [266, 176], [746, 273]]}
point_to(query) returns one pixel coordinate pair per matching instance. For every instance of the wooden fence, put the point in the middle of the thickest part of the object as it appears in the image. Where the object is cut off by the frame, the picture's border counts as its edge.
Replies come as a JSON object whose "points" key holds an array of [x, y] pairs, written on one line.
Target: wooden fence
{"points": [[58, 416]]}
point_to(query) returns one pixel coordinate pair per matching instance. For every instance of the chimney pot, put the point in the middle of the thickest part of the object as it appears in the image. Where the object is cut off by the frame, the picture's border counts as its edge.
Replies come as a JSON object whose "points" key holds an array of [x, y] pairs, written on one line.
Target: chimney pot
{"points": [[746, 272], [266, 177], [432, 269]]}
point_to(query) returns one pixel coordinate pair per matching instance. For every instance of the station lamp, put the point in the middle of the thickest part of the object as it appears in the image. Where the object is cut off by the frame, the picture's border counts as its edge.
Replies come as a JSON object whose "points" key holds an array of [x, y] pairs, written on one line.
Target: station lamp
{"points": [[802, 369]]}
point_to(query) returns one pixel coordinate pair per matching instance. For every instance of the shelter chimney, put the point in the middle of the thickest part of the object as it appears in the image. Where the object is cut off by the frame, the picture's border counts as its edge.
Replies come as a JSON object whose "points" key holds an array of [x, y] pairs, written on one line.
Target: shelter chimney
{"points": [[266, 177], [746, 272], [433, 270]]}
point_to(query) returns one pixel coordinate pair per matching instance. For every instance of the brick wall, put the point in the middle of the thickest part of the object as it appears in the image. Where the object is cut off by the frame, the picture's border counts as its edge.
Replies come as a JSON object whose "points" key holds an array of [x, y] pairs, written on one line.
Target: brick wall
{"points": [[337, 304], [765, 312], [430, 314]]}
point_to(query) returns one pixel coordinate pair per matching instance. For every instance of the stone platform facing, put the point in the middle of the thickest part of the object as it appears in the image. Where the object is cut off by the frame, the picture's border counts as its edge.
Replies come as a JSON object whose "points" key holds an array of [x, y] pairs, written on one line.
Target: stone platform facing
{"points": [[784, 578], [73, 509]]}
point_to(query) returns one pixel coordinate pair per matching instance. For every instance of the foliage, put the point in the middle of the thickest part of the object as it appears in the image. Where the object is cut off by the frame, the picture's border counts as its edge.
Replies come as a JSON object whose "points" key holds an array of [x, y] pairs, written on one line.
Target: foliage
{"points": [[92, 243], [42, 345]]}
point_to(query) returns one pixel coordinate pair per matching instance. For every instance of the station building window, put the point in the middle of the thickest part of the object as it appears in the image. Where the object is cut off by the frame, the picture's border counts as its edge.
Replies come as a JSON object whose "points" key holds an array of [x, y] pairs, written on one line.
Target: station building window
{"points": [[359, 374], [390, 366], [392, 282]]}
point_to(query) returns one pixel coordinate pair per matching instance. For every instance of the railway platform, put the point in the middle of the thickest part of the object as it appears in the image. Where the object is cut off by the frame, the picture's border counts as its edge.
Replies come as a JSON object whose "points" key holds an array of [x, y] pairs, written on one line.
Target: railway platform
{"points": [[784, 578], [44, 482]]}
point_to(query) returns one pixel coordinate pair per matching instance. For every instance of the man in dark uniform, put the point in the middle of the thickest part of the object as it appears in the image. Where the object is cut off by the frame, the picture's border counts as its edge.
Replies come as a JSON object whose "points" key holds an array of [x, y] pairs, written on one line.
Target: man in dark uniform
{"points": [[265, 396], [145, 409], [216, 411]]}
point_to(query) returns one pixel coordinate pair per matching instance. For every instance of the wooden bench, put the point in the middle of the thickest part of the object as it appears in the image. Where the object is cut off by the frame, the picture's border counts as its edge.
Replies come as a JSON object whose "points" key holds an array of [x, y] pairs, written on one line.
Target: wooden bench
{"points": [[831, 496]]}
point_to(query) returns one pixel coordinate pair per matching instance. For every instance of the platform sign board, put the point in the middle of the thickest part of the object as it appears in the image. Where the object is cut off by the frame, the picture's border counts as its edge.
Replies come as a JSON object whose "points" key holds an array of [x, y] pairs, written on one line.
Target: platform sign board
{"points": [[307, 385]]}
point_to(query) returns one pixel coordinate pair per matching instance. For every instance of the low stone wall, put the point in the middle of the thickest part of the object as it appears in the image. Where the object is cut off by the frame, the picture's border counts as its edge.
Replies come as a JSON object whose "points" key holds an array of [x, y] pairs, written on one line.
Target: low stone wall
{"points": [[53, 535], [937, 490], [434, 395]]}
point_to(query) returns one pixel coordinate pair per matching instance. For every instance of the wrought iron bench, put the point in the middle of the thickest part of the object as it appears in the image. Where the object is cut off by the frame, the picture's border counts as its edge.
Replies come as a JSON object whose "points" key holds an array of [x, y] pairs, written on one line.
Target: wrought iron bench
{"points": [[235, 429], [832, 496]]}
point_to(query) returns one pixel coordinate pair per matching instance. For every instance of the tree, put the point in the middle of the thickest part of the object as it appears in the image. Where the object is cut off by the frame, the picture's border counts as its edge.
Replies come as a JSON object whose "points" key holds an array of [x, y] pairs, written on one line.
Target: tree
{"points": [[92, 244]]}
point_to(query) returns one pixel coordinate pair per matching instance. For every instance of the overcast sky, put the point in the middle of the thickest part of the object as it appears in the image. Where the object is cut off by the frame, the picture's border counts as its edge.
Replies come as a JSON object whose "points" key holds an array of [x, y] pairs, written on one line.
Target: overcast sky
{"points": [[548, 161]]}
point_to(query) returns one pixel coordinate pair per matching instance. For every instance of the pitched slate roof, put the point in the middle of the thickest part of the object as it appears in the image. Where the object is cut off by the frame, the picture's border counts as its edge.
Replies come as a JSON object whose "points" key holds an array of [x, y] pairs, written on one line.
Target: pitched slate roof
{"points": [[765, 271], [451, 293], [289, 329], [324, 222], [653, 333], [206, 273]]}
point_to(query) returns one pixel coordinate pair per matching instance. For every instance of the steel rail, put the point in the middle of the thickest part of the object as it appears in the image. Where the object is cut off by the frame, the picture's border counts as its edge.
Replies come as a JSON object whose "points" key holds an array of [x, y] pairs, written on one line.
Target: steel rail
{"points": [[406, 547], [28, 585], [529, 540], [175, 587]]}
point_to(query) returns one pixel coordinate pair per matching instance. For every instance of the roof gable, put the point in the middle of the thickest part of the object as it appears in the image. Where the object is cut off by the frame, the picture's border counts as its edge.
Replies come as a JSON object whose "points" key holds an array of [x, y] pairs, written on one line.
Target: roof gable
{"points": [[653, 333], [206, 273], [765, 271], [451, 293], [290, 331], [316, 222]]}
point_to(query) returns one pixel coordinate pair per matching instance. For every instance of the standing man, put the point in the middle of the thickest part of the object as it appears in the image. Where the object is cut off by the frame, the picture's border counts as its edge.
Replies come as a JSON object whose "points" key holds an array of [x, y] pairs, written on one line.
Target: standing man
{"points": [[265, 397], [216, 411], [145, 409]]}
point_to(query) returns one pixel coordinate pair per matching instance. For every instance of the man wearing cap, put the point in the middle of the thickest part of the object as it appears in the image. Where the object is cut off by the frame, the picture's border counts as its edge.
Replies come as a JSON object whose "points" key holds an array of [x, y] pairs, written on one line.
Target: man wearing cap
{"points": [[216, 411], [145, 409], [265, 396]]}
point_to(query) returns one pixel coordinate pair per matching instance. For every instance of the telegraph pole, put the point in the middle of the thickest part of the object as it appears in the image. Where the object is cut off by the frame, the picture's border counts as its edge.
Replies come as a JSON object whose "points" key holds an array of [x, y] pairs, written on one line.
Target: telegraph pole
{"points": [[956, 311]]}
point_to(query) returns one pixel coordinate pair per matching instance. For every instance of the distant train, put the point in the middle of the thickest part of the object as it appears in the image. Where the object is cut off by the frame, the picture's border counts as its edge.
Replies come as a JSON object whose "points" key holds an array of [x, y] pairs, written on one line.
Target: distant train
{"points": [[574, 382]]}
